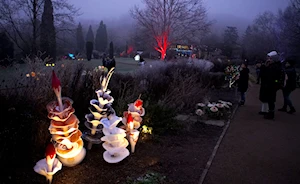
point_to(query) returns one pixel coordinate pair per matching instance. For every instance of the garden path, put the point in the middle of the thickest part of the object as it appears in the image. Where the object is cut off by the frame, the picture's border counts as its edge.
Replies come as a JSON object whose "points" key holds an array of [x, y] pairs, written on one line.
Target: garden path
{"points": [[259, 151]]}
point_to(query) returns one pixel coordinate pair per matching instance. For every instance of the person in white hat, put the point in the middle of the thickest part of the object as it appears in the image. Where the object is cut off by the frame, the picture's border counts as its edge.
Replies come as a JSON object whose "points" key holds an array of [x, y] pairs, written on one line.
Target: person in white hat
{"points": [[270, 83]]}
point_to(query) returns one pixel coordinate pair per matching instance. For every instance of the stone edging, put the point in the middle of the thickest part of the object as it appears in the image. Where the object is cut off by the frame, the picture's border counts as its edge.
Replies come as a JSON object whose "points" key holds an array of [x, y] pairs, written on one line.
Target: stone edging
{"points": [[210, 160]]}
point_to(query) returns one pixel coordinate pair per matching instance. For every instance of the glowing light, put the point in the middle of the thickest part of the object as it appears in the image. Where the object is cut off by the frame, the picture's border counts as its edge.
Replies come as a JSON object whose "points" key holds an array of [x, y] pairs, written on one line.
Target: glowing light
{"points": [[146, 129], [32, 74], [28, 75], [47, 64], [137, 57], [53, 64], [129, 50], [162, 43]]}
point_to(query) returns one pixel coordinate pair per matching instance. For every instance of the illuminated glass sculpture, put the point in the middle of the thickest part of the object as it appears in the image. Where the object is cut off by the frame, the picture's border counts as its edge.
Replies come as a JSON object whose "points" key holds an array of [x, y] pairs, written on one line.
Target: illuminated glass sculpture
{"points": [[114, 140], [103, 119], [64, 128], [232, 74], [49, 165], [100, 109], [132, 121]]}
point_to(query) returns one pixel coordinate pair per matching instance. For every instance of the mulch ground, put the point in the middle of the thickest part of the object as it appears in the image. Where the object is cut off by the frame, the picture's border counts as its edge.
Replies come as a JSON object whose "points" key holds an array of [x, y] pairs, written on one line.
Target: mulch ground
{"points": [[181, 158]]}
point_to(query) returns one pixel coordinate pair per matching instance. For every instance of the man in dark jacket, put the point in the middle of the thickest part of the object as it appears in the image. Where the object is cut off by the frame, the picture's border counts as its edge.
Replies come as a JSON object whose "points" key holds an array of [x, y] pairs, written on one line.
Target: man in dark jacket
{"points": [[243, 82], [290, 85]]}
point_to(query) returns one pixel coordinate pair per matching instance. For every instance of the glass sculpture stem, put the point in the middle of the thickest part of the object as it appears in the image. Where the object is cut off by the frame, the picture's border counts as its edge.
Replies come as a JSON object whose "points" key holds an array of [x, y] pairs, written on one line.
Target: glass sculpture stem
{"points": [[61, 107]]}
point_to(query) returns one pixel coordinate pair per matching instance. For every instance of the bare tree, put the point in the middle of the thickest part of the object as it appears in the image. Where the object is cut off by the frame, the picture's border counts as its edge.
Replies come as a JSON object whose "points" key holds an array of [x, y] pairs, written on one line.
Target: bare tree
{"points": [[171, 21], [290, 28], [17, 16], [262, 36]]}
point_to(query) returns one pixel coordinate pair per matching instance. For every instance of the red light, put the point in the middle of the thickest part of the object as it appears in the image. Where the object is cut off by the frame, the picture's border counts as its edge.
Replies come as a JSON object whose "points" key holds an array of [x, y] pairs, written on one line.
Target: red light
{"points": [[162, 43]]}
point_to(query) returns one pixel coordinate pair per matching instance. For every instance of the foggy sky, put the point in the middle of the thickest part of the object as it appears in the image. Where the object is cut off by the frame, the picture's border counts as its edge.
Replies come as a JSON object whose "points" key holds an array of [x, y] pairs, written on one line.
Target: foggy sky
{"points": [[246, 9]]}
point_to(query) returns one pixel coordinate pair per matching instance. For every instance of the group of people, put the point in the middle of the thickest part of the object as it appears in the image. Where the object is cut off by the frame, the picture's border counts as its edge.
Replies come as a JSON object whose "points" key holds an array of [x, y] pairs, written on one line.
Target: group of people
{"points": [[272, 75]]}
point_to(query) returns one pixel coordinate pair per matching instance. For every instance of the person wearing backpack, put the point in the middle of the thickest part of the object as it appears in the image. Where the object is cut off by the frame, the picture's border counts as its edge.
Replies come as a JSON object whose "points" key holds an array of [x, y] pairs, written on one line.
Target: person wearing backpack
{"points": [[290, 85]]}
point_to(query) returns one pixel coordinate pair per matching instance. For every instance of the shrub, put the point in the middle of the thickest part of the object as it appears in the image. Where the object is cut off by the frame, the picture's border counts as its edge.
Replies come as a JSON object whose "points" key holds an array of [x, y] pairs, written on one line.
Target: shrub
{"points": [[161, 119]]}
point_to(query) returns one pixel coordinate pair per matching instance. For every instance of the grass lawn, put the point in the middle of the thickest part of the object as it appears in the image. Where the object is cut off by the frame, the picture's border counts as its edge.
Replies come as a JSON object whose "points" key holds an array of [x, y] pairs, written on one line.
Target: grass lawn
{"points": [[19, 71]]}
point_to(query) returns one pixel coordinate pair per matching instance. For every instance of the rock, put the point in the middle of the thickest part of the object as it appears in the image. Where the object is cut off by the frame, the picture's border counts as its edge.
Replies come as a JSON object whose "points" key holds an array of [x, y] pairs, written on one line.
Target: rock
{"points": [[181, 117], [219, 123], [193, 119]]}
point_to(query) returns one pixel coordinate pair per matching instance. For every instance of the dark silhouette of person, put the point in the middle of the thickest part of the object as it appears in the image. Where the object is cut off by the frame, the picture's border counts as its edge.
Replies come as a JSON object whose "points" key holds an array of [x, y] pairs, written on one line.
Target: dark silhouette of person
{"points": [[290, 85], [243, 82], [271, 77], [257, 68]]}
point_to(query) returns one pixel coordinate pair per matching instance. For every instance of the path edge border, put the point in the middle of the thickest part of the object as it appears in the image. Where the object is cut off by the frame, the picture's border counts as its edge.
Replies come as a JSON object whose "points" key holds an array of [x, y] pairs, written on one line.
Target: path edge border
{"points": [[215, 150]]}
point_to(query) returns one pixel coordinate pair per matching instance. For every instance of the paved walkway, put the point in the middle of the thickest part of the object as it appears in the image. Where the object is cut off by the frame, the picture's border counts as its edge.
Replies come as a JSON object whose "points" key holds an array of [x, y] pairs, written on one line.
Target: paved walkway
{"points": [[259, 151]]}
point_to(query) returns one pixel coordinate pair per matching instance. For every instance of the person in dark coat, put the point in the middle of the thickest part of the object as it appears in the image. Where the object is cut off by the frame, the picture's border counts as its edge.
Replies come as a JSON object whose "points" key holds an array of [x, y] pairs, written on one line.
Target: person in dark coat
{"points": [[243, 82], [270, 84], [263, 89], [257, 68], [290, 85]]}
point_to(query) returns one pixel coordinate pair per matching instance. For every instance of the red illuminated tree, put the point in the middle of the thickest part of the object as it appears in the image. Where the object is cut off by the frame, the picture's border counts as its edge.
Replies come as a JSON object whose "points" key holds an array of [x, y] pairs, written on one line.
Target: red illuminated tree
{"points": [[170, 21]]}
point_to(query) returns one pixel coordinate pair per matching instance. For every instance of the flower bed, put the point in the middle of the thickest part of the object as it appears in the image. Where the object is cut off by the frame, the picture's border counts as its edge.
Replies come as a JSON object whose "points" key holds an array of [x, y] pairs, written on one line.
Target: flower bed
{"points": [[213, 111]]}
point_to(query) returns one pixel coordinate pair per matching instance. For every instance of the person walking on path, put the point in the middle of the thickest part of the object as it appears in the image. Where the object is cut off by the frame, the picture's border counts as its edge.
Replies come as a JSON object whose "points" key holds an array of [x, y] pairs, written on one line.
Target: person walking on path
{"points": [[290, 85], [257, 68], [263, 90], [243, 82], [274, 77]]}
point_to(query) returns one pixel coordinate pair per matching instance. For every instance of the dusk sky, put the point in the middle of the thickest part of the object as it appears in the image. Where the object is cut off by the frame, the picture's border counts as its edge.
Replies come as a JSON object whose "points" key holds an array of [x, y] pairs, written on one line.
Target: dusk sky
{"points": [[247, 9]]}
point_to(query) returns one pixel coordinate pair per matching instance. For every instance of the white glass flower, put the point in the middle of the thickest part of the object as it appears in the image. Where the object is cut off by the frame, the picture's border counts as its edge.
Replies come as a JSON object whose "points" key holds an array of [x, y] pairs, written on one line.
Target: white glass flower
{"points": [[199, 112], [200, 105], [210, 105], [220, 105], [214, 109]]}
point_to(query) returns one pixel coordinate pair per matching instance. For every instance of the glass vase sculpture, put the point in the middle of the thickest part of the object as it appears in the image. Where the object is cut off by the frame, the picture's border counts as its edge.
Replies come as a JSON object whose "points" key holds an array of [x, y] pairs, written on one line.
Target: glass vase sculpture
{"points": [[64, 127], [132, 121], [100, 108], [102, 124], [114, 139], [49, 165], [65, 133]]}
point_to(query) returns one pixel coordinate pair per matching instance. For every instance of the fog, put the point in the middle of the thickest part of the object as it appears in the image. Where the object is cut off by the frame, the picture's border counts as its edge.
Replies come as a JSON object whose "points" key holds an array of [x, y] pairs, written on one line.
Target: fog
{"points": [[246, 9], [238, 13]]}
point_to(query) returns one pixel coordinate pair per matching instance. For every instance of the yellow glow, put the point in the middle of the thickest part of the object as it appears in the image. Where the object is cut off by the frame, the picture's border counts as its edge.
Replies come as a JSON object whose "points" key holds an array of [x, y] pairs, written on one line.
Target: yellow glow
{"points": [[53, 64], [47, 64], [147, 130]]}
